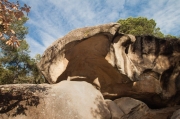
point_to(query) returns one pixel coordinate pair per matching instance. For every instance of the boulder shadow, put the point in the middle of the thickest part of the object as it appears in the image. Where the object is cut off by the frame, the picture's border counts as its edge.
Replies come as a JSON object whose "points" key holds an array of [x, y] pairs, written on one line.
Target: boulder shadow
{"points": [[15, 100]]}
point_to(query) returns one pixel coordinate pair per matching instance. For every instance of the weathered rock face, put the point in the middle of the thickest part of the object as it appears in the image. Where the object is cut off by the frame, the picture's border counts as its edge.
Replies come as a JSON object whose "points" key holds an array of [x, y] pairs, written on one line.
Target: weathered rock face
{"points": [[56, 57], [66, 100], [144, 57], [142, 67]]}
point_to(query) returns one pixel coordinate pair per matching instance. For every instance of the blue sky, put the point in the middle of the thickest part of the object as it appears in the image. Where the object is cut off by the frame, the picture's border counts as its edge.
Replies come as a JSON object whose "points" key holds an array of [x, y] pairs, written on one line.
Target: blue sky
{"points": [[52, 19]]}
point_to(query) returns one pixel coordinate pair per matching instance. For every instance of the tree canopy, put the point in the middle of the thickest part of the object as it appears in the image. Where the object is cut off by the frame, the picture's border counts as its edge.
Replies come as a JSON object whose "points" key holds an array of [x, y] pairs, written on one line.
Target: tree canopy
{"points": [[140, 26], [16, 65]]}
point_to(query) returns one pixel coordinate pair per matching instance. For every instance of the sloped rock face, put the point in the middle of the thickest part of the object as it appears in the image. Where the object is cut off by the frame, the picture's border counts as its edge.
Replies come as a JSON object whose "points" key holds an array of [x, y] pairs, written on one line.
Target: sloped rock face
{"points": [[66, 100]]}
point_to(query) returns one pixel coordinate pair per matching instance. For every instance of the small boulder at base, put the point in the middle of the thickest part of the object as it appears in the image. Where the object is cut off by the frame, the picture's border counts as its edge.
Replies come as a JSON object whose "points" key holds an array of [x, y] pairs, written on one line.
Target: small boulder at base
{"points": [[136, 109], [116, 112]]}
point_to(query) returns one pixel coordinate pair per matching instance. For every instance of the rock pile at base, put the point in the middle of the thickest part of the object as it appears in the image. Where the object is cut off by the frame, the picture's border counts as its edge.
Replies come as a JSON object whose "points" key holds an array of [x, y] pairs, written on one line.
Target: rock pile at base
{"points": [[72, 100]]}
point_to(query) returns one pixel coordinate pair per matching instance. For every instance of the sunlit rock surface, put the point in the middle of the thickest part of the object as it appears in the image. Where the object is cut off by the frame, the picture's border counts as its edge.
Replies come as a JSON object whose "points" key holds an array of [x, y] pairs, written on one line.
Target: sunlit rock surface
{"points": [[65, 100]]}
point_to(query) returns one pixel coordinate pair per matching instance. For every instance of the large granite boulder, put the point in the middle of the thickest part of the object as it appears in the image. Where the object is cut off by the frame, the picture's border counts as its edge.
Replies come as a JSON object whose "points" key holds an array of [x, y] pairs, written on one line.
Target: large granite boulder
{"points": [[142, 67], [65, 100]]}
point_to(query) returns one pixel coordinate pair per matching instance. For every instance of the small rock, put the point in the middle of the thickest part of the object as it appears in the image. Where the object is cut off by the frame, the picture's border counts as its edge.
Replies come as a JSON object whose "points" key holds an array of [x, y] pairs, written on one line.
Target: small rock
{"points": [[116, 112]]}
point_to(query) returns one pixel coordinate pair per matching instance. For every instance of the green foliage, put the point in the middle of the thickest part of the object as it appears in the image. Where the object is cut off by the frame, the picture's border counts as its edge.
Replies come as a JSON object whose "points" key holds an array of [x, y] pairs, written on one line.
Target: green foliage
{"points": [[170, 36], [18, 67], [19, 28], [5, 76], [140, 26]]}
